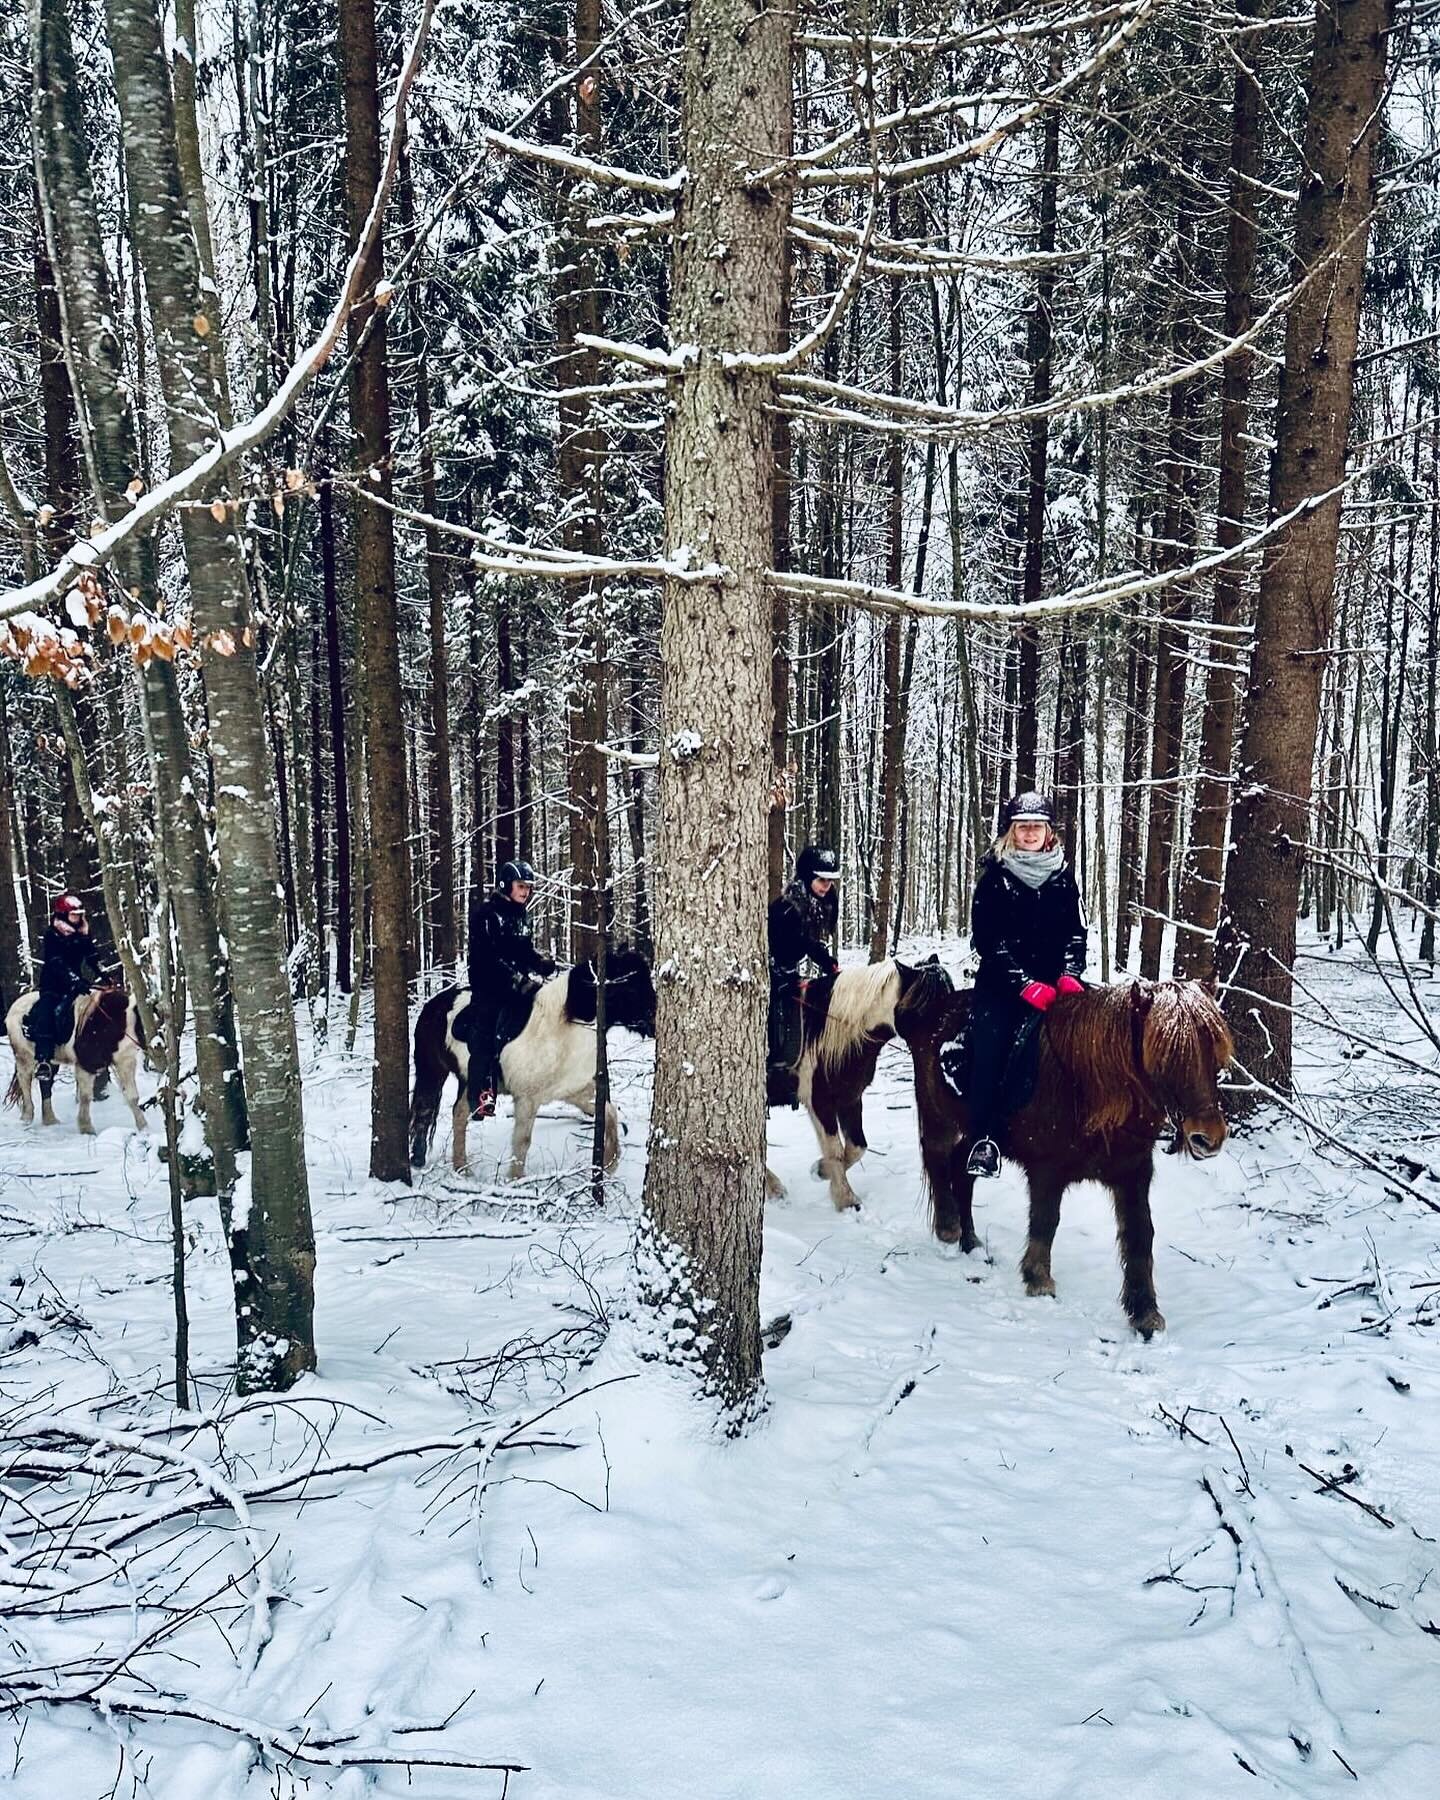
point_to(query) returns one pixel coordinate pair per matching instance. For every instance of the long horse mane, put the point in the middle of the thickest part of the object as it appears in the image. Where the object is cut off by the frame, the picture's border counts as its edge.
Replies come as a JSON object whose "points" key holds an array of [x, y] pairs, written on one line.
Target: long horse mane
{"points": [[862, 1000], [1095, 1038]]}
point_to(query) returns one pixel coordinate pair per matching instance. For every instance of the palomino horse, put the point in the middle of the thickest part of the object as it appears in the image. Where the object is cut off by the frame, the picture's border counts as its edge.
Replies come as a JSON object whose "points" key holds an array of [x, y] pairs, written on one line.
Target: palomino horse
{"points": [[848, 1020], [1114, 1064], [106, 1036], [553, 1058]]}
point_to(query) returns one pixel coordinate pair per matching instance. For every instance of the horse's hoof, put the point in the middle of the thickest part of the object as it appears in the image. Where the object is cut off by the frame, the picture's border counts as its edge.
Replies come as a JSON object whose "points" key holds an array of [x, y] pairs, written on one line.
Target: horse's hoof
{"points": [[969, 1242], [948, 1234], [774, 1187], [1040, 1287], [848, 1203], [1148, 1323]]}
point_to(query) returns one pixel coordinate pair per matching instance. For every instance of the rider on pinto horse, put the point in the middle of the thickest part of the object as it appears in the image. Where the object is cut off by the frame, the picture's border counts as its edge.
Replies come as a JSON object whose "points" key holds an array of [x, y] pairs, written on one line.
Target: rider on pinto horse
{"points": [[1028, 927], [805, 915], [505, 967], [69, 967]]}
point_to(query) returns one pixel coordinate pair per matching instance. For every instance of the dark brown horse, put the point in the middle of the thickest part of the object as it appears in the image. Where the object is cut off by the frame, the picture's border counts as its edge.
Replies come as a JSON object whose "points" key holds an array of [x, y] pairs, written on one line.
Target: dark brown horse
{"points": [[1114, 1065]]}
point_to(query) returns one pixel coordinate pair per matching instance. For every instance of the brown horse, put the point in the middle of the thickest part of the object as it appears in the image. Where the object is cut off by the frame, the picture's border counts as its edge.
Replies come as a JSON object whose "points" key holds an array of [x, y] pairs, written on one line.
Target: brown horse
{"points": [[1114, 1064], [106, 1035]]}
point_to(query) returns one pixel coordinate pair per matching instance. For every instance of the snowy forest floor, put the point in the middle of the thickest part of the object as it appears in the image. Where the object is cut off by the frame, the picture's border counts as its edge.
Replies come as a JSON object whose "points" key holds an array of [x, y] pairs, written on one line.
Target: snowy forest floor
{"points": [[979, 1544]]}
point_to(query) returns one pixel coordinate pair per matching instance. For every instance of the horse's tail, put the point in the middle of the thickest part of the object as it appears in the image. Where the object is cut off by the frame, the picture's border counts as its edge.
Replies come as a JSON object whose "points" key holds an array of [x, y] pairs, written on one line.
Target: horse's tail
{"points": [[862, 1000], [432, 1065], [12, 1093]]}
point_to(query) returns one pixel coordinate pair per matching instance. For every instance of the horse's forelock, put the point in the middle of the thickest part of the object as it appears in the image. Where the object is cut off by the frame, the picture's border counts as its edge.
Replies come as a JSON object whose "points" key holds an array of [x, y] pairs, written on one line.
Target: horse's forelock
{"points": [[1186, 1041]]}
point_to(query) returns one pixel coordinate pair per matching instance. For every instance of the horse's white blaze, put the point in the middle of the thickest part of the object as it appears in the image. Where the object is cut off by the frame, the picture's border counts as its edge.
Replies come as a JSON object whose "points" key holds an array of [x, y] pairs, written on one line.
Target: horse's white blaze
{"points": [[125, 1063]]}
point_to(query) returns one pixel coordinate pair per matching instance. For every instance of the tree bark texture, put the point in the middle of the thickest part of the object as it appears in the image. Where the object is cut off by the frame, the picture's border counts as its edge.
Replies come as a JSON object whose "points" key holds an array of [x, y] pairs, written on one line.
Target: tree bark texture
{"points": [[275, 1304], [1296, 603], [1203, 868], [704, 1187], [375, 590]]}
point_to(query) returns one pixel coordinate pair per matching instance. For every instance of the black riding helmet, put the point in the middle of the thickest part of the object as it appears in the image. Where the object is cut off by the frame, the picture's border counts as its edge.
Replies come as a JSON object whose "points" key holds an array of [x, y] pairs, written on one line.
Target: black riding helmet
{"points": [[1029, 806], [510, 872], [817, 859]]}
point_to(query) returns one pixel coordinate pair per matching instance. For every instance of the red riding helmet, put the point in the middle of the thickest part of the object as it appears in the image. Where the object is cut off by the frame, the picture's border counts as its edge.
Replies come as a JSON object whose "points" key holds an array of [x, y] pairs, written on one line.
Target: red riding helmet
{"points": [[66, 905]]}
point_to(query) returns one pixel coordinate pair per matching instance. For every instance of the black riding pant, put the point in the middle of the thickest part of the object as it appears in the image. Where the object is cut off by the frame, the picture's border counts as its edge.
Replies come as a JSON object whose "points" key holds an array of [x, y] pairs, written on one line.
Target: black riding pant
{"points": [[51, 1020], [482, 1032], [785, 1032], [995, 1021]]}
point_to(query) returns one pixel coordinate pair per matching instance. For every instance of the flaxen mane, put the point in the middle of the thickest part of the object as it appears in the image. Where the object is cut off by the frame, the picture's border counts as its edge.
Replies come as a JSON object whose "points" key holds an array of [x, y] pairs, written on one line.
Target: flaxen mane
{"points": [[862, 1000]]}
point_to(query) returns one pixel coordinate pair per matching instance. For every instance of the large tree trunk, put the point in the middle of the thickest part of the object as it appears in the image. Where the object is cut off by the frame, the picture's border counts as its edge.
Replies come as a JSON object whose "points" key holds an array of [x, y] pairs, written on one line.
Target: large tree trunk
{"points": [[892, 718], [1039, 351], [1199, 904], [1297, 581], [14, 978], [340, 776], [705, 1183], [275, 1304], [375, 588], [582, 451], [112, 455]]}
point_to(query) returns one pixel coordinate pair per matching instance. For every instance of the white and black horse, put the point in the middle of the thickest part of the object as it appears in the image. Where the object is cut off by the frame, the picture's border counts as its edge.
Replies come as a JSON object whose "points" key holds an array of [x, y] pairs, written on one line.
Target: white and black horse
{"points": [[106, 1035], [848, 1020], [552, 1058]]}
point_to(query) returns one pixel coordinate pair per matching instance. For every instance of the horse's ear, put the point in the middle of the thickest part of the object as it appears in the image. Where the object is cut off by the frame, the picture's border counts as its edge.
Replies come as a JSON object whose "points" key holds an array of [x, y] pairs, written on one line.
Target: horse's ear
{"points": [[1211, 986]]}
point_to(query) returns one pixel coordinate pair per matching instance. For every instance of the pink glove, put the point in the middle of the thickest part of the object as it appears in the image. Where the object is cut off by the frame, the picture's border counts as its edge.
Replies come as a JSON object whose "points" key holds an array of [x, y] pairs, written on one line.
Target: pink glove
{"points": [[1038, 994], [1067, 984]]}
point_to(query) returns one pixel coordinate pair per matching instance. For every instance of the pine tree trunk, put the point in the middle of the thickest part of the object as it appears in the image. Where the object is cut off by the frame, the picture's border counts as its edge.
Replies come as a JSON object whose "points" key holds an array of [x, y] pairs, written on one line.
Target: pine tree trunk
{"points": [[705, 1182], [375, 590], [1297, 582], [339, 770], [275, 1305], [112, 455], [1199, 904], [1040, 356], [13, 976], [442, 805]]}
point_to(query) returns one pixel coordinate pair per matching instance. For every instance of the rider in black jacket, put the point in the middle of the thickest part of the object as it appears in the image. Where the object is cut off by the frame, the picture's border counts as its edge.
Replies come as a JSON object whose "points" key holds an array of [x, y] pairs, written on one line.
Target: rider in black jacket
{"points": [[504, 965], [69, 967], [1028, 927], [801, 919]]}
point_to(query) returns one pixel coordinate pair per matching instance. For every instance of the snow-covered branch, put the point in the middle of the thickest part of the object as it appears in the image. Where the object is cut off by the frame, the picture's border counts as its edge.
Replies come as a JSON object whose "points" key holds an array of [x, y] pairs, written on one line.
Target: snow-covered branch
{"points": [[89, 554]]}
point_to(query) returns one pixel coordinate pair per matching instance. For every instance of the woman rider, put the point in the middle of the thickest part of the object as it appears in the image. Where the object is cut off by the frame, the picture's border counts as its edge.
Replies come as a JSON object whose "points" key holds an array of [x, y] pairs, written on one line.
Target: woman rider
{"points": [[801, 919], [69, 967], [504, 964], [1028, 927]]}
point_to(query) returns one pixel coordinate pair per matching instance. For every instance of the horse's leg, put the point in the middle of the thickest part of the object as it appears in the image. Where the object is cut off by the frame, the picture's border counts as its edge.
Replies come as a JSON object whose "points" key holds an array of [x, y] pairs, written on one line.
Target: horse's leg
{"points": [[962, 1195], [1045, 1191], [459, 1122], [25, 1078], [949, 1198], [774, 1186], [46, 1073], [1135, 1233], [820, 1102], [526, 1108], [124, 1067], [85, 1093], [612, 1136]]}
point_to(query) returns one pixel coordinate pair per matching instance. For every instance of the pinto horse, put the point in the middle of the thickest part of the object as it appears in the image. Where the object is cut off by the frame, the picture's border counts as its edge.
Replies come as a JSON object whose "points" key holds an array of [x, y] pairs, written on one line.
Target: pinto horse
{"points": [[1114, 1064], [552, 1058], [849, 1018], [106, 1035]]}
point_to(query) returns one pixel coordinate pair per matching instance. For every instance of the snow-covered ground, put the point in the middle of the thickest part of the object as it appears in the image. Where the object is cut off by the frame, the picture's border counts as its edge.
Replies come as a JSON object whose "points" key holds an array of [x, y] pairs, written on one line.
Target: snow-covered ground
{"points": [[979, 1545]]}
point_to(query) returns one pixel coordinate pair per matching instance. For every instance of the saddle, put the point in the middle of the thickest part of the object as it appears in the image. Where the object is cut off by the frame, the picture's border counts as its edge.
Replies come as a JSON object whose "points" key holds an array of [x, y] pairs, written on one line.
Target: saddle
{"points": [[511, 1018], [56, 1010], [1022, 1064]]}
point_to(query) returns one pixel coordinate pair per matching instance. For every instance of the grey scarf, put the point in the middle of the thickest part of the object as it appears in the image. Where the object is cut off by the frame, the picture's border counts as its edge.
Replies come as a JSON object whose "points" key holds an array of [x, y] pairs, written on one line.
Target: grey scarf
{"points": [[1034, 867]]}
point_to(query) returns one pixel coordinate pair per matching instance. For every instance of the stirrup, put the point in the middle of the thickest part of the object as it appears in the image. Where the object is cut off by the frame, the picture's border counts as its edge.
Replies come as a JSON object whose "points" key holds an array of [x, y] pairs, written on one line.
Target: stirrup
{"points": [[484, 1107], [984, 1158]]}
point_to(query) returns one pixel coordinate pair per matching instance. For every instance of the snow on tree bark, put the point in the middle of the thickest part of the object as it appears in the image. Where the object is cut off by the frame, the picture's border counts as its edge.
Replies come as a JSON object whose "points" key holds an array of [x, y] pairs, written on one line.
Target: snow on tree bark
{"points": [[701, 1234], [275, 1304]]}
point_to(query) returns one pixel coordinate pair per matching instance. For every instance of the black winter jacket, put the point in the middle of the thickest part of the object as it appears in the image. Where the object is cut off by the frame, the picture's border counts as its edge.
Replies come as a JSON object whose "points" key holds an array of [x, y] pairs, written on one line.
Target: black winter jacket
{"points": [[799, 924], [1024, 934], [502, 954], [69, 962]]}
